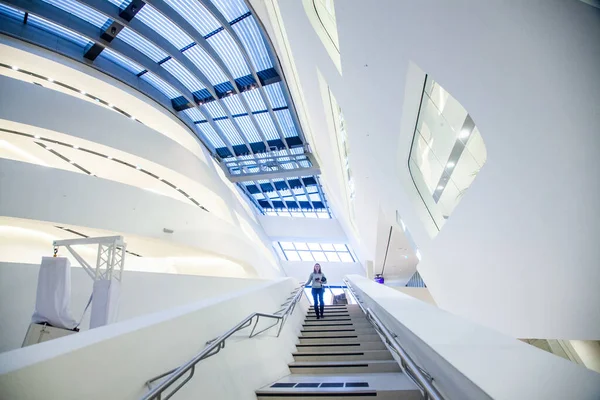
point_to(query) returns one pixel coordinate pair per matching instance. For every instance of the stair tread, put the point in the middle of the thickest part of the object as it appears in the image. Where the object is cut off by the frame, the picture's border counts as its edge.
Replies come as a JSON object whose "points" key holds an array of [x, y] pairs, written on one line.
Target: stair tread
{"points": [[377, 381], [339, 352], [339, 363]]}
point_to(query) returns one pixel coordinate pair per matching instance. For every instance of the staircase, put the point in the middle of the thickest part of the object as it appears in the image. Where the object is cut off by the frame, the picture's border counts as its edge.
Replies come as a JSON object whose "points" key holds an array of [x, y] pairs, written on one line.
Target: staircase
{"points": [[341, 357]]}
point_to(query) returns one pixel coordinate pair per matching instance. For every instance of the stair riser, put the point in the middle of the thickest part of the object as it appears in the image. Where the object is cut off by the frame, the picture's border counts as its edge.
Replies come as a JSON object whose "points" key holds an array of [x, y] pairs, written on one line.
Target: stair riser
{"points": [[336, 328], [372, 355], [333, 340], [368, 369], [381, 395], [328, 349], [362, 331], [327, 322]]}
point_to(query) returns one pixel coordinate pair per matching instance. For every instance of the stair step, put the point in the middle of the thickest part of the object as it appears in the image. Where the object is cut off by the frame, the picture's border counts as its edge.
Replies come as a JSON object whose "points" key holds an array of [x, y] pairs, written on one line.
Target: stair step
{"points": [[339, 339], [344, 367], [338, 332], [330, 322], [350, 355], [342, 346], [335, 327], [384, 386]]}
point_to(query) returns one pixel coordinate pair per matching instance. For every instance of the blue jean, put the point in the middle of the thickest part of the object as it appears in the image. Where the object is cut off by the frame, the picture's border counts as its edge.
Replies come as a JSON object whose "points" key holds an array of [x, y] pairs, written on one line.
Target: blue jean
{"points": [[318, 298]]}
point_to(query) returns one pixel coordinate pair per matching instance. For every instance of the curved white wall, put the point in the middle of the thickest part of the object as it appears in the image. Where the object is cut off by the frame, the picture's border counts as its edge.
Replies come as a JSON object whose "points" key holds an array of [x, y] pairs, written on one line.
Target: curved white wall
{"points": [[230, 229], [519, 253], [39, 193]]}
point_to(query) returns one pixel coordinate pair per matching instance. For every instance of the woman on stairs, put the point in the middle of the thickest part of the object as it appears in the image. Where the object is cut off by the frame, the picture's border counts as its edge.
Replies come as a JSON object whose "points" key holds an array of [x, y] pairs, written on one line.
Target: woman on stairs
{"points": [[318, 279]]}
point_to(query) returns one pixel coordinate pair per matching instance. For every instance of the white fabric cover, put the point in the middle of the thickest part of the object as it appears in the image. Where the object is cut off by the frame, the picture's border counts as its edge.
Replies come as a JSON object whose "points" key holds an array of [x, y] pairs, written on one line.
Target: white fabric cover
{"points": [[53, 299], [105, 303]]}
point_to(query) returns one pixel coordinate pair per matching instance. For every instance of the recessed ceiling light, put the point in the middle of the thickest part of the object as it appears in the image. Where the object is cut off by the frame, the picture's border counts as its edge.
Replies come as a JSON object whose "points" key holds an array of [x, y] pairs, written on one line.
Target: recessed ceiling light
{"points": [[450, 165], [48, 148], [75, 146], [110, 105], [440, 187], [82, 92], [50, 79], [176, 188], [138, 167], [72, 162], [109, 157], [15, 68], [464, 133], [132, 117], [36, 136]]}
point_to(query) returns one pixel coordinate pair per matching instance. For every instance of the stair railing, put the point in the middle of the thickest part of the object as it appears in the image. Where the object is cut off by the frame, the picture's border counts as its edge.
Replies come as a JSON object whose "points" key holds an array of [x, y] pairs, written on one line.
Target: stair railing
{"points": [[217, 344], [421, 377]]}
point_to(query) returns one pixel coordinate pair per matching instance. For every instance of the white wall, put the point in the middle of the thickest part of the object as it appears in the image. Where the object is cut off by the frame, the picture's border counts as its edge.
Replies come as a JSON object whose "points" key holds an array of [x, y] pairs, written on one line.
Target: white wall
{"points": [[142, 293], [303, 229], [522, 240], [114, 361], [335, 271], [38, 193], [470, 361]]}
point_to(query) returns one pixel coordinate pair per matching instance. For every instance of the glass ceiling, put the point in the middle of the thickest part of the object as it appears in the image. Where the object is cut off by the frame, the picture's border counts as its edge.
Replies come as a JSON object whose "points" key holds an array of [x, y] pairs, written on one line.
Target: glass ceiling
{"points": [[217, 70]]}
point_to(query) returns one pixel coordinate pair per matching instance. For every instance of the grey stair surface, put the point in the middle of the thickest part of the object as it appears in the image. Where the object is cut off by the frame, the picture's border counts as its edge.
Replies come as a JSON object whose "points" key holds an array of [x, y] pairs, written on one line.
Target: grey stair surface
{"points": [[341, 357]]}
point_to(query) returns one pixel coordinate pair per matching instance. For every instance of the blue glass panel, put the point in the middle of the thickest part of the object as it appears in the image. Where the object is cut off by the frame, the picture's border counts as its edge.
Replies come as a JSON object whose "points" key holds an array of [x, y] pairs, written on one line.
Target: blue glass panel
{"points": [[297, 150], [79, 10], [183, 75], [231, 9], [248, 129], [230, 53], [121, 61], [194, 114], [11, 12], [304, 164], [143, 45], [195, 13], [151, 17], [122, 4], [251, 38], [230, 132], [214, 109], [160, 85], [287, 124], [267, 126], [206, 64], [57, 30], [234, 104], [212, 136], [275, 95], [255, 100]]}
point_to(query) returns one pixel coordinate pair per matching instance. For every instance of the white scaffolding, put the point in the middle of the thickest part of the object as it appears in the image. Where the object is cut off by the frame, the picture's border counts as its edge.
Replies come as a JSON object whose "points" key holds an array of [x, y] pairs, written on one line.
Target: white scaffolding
{"points": [[110, 260], [107, 274]]}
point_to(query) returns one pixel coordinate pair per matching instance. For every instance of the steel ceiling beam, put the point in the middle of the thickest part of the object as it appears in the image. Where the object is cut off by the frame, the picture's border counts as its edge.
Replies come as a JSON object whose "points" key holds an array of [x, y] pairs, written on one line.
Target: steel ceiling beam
{"points": [[288, 173], [217, 14], [186, 27]]}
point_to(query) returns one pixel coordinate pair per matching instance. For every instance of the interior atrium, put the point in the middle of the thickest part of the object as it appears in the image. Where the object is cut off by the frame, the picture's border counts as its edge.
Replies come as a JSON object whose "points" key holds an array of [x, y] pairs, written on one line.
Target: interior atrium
{"points": [[299, 199]]}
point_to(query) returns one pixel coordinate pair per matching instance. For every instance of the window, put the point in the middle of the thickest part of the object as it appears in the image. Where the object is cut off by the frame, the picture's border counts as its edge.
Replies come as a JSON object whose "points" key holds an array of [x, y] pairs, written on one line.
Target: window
{"points": [[339, 124], [317, 252], [447, 152]]}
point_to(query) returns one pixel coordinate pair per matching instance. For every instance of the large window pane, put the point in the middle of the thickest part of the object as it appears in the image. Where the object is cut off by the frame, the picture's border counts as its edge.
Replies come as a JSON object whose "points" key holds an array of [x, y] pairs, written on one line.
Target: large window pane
{"points": [[306, 256], [333, 257], [292, 255], [447, 152]]}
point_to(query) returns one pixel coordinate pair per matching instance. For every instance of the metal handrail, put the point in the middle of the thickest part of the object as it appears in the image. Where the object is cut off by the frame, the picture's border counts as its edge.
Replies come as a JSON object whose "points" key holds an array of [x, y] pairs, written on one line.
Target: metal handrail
{"points": [[420, 376], [217, 344]]}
